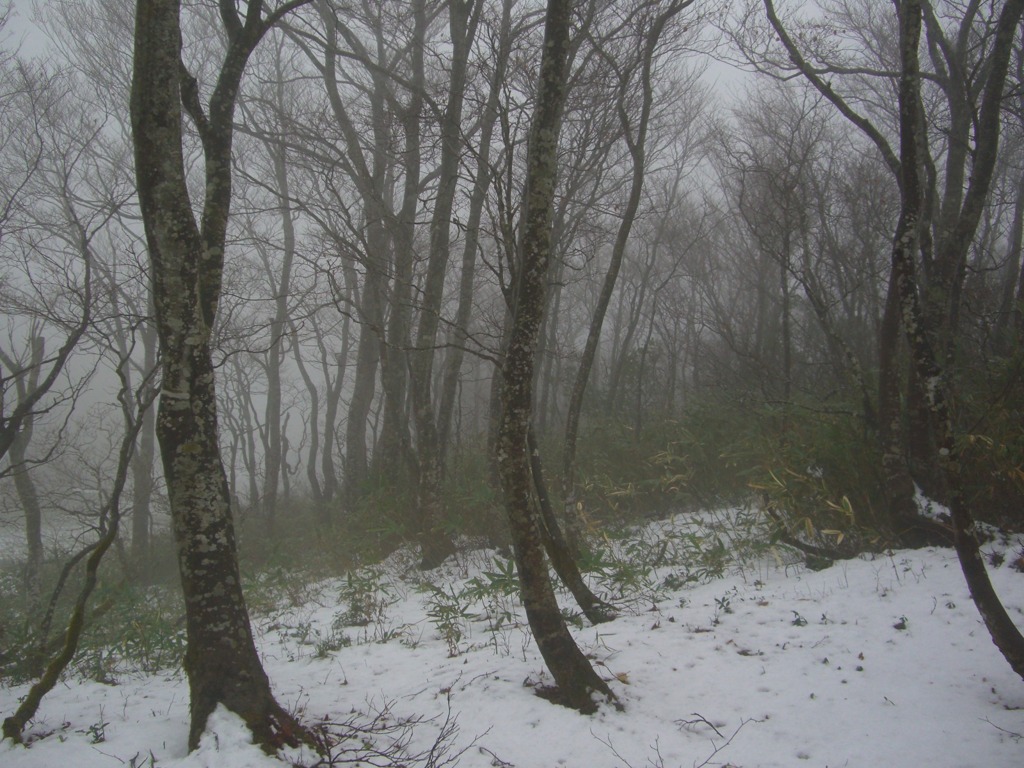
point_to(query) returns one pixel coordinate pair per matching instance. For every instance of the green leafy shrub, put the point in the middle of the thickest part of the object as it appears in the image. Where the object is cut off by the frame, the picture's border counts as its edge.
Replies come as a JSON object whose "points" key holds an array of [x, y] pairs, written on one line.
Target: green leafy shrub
{"points": [[366, 596], [449, 612]]}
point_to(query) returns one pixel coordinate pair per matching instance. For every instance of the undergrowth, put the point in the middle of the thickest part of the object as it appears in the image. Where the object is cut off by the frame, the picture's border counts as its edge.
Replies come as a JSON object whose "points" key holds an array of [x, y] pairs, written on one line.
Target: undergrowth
{"points": [[471, 602], [817, 476]]}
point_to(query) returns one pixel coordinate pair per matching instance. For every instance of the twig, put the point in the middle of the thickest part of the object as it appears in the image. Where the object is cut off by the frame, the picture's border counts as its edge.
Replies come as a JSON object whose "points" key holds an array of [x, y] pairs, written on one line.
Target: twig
{"points": [[382, 740], [608, 743], [1012, 734], [719, 747], [698, 719], [496, 762]]}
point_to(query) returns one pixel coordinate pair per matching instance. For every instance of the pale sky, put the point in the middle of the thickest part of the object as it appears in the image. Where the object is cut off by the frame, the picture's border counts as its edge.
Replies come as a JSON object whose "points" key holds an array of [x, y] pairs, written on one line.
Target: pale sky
{"points": [[21, 33]]}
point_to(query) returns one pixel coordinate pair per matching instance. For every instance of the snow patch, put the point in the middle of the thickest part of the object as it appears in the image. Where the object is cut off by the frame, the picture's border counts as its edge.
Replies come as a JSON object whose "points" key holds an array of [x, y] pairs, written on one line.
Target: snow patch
{"points": [[880, 660], [226, 743]]}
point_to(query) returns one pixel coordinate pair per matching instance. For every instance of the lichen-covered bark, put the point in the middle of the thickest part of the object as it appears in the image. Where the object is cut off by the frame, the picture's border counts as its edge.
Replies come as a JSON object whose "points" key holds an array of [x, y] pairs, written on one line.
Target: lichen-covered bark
{"points": [[899, 485], [920, 336], [576, 679], [221, 660]]}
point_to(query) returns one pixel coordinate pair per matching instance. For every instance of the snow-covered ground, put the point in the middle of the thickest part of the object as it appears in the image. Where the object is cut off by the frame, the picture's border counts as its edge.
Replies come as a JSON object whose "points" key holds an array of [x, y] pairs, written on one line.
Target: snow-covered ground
{"points": [[873, 662]]}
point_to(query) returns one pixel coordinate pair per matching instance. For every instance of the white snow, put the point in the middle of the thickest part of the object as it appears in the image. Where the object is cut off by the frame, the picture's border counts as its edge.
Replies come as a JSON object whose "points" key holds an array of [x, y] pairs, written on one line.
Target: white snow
{"points": [[877, 661]]}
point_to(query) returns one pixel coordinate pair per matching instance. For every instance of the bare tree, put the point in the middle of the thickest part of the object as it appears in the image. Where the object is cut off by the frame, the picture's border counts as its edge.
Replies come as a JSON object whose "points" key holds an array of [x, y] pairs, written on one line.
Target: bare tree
{"points": [[24, 482], [920, 328], [353, 50], [459, 335], [940, 210], [59, 240], [575, 678], [134, 403], [646, 23], [187, 265], [31, 131]]}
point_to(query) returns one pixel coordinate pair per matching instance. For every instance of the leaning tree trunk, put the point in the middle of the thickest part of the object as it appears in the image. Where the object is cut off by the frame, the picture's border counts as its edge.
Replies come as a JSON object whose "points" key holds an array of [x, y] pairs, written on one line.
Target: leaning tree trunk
{"points": [[575, 678], [221, 661], [110, 517], [920, 337], [594, 608]]}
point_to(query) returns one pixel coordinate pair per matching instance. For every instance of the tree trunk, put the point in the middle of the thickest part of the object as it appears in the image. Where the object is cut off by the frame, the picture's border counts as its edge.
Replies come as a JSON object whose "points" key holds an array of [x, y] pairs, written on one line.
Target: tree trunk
{"points": [[619, 363], [920, 336], [846, 359], [576, 680], [391, 458], [143, 482], [371, 310], [435, 542], [641, 368], [786, 317], [370, 176], [1005, 338], [24, 484], [221, 660], [1018, 309], [560, 553], [460, 333], [330, 477], [545, 376], [28, 498], [280, 284], [313, 419], [110, 518]]}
